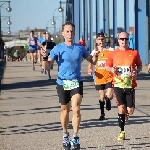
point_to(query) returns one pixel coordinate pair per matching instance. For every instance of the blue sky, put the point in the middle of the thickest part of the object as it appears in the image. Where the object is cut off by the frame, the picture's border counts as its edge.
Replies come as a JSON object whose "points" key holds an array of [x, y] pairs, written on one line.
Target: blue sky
{"points": [[31, 13], [38, 13]]}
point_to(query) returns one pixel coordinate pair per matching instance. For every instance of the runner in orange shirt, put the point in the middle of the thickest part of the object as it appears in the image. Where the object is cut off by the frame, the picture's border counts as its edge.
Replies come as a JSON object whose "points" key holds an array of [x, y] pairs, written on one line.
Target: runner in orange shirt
{"points": [[124, 63], [102, 78]]}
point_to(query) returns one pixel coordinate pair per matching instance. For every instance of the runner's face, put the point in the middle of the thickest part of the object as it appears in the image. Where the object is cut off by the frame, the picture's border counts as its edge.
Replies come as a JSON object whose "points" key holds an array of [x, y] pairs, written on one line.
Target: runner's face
{"points": [[100, 41], [123, 39], [39, 33], [47, 36], [31, 34], [44, 36], [68, 33]]}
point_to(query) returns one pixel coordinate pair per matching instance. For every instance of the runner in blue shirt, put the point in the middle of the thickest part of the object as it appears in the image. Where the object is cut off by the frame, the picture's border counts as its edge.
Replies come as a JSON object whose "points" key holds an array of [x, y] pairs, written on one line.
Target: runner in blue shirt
{"points": [[68, 56], [41, 39]]}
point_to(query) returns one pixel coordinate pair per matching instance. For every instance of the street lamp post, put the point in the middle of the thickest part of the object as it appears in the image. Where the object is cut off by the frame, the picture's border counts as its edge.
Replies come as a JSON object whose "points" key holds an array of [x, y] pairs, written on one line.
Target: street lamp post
{"points": [[9, 32], [8, 22], [9, 9], [54, 23], [61, 9], [47, 24]]}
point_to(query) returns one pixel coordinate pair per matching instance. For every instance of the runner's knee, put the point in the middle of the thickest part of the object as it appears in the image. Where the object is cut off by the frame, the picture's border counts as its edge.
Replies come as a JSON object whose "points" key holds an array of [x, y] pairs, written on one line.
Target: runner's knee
{"points": [[130, 110], [121, 109]]}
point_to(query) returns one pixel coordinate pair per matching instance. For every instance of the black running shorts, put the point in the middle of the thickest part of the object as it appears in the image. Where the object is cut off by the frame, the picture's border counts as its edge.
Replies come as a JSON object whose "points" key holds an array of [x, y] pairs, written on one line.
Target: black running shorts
{"points": [[45, 58], [103, 86], [125, 96], [66, 95]]}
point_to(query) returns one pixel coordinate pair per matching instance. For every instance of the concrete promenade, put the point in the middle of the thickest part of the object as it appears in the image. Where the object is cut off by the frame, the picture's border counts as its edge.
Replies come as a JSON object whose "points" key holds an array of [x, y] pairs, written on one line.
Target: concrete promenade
{"points": [[29, 113]]}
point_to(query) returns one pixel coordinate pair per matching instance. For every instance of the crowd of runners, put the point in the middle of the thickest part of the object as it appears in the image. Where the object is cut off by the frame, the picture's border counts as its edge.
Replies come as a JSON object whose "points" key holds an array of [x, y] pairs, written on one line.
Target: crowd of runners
{"points": [[114, 74], [36, 44]]}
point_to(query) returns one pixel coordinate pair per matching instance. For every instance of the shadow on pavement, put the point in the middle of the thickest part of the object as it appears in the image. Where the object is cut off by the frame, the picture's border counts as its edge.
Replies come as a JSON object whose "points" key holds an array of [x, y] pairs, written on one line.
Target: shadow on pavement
{"points": [[143, 76], [38, 83], [44, 110], [56, 126]]}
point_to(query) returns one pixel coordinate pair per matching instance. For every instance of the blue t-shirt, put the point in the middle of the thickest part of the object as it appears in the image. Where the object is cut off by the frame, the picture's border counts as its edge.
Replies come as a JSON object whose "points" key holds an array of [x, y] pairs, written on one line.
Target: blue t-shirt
{"points": [[69, 59], [41, 40]]}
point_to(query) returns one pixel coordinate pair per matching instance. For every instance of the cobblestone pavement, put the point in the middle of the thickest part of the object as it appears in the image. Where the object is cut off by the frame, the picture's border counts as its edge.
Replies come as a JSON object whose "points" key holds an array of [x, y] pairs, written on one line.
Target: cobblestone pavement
{"points": [[29, 114]]}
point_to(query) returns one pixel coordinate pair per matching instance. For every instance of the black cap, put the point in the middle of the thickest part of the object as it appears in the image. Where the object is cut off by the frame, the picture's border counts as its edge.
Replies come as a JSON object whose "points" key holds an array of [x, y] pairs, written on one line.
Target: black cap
{"points": [[101, 34]]}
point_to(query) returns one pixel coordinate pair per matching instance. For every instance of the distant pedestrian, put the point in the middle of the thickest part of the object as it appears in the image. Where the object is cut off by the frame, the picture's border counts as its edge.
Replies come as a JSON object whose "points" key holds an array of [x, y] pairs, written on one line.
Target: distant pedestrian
{"points": [[116, 42], [82, 42], [49, 46], [32, 42], [41, 39], [107, 40], [131, 40]]}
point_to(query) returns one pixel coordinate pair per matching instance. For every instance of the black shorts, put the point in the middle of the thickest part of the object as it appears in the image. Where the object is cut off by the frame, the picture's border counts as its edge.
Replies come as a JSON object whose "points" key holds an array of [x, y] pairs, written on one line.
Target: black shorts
{"points": [[125, 96], [32, 51], [103, 86], [66, 95], [45, 58]]}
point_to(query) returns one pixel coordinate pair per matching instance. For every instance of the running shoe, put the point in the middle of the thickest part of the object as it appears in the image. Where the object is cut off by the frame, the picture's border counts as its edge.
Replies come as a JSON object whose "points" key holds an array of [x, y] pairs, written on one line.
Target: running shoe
{"points": [[75, 143], [44, 72], [66, 143], [121, 136], [102, 117]]}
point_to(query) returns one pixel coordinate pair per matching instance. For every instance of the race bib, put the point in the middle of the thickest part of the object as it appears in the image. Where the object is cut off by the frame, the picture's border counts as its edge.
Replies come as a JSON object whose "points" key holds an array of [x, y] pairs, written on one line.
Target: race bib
{"points": [[101, 64], [32, 42], [124, 71], [70, 84]]}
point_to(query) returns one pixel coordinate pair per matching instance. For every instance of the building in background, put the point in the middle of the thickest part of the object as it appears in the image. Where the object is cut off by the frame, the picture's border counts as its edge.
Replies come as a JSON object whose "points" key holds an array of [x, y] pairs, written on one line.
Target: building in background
{"points": [[93, 16]]}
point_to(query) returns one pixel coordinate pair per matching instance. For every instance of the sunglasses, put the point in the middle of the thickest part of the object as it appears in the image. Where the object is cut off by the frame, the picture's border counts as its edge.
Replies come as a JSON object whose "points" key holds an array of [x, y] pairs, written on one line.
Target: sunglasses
{"points": [[122, 39]]}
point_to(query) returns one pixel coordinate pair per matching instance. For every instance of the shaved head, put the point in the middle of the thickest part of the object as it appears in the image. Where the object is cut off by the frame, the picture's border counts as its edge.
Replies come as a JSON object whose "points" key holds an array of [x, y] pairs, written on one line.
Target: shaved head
{"points": [[123, 35]]}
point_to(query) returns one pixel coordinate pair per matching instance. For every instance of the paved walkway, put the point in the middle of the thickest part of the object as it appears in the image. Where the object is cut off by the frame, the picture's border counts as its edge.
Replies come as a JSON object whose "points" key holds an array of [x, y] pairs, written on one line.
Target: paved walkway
{"points": [[29, 114]]}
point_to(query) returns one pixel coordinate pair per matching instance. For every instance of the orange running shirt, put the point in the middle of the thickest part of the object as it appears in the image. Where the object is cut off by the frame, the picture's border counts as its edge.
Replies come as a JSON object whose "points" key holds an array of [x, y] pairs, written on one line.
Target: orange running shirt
{"points": [[101, 75], [126, 62]]}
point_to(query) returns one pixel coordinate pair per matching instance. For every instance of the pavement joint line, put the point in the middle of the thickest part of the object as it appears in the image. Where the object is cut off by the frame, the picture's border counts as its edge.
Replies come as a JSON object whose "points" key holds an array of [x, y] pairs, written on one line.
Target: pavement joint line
{"points": [[142, 112]]}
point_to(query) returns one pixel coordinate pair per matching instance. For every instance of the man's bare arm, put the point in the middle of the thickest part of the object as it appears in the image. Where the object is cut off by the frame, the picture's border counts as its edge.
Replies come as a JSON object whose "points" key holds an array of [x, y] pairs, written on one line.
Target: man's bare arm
{"points": [[92, 59]]}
